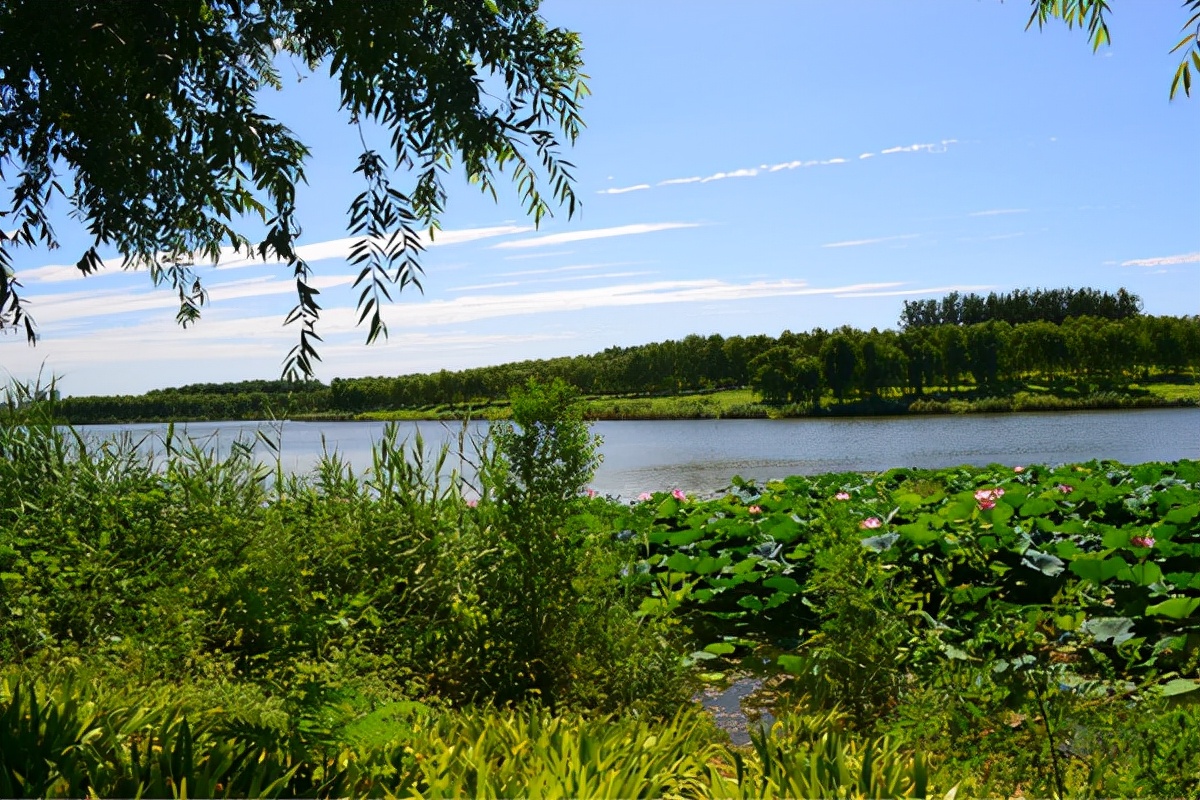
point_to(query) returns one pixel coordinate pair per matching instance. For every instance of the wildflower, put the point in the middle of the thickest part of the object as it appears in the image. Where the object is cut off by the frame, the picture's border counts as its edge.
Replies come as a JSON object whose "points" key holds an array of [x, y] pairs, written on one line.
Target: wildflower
{"points": [[755, 509], [987, 497], [644, 496], [1064, 488], [1142, 541], [842, 496], [871, 523], [679, 495], [1018, 470]]}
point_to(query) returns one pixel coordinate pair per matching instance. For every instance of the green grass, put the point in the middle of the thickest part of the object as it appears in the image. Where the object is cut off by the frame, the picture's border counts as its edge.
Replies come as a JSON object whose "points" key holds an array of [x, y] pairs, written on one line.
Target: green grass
{"points": [[745, 404]]}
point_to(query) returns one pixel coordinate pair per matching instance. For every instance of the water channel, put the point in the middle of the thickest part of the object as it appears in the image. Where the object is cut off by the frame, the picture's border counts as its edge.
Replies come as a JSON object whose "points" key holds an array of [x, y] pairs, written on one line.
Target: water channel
{"points": [[702, 455]]}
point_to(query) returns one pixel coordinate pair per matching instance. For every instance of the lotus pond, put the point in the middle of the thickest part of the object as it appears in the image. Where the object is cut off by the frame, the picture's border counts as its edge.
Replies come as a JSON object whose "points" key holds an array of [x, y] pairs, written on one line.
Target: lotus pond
{"points": [[208, 626]]}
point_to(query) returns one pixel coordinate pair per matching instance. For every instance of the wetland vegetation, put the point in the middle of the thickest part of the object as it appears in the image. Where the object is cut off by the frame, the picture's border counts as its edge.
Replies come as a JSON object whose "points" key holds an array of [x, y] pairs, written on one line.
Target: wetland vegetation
{"points": [[210, 626]]}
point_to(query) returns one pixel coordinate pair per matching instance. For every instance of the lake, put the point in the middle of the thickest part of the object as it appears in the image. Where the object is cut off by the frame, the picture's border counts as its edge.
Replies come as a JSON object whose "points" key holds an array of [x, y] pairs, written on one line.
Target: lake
{"points": [[702, 455]]}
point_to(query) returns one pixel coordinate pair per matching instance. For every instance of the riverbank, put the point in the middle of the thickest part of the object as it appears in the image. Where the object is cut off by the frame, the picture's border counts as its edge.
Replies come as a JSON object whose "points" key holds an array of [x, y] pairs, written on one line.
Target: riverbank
{"points": [[743, 404]]}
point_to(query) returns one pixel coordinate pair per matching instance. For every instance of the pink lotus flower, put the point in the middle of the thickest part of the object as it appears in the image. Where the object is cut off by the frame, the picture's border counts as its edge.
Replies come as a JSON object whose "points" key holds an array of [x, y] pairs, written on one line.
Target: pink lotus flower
{"points": [[590, 492], [1142, 541], [679, 495], [472, 503], [871, 523], [644, 496], [842, 496], [1064, 488], [755, 509], [987, 497], [1018, 470]]}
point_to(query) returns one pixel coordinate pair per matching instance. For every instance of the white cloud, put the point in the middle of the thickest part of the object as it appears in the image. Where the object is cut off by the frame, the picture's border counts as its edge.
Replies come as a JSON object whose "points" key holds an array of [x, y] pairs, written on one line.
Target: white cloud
{"points": [[866, 155], [928, 147], [860, 242], [313, 252], [834, 161], [995, 212], [477, 286], [1163, 261], [625, 189], [473, 308], [596, 233], [73, 307], [914, 292], [675, 181], [571, 268], [737, 173]]}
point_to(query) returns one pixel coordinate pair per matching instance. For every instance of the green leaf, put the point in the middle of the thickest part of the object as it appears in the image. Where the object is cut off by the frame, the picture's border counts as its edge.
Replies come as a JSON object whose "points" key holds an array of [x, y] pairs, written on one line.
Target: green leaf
{"points": [[1179, 686], [720, 648], [1044, 563], [1175, 608], [793, 664], [882, 542], [783, 584], [1142, 574], [680, 562], [1096, 568], [1114, 629]]}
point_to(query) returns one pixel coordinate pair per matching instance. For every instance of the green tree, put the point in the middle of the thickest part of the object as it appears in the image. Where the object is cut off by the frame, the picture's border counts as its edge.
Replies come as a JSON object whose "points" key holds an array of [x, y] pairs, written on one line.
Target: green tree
{"points": [[144, 117], [839, 364]]}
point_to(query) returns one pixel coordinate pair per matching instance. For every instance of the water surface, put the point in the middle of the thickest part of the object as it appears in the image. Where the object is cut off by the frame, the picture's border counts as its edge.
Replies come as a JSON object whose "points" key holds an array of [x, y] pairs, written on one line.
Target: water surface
{"points": [[702, 455]]}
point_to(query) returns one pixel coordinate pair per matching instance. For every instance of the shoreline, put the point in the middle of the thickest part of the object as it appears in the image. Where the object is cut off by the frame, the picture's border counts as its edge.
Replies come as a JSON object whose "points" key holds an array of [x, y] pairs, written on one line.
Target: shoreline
{"points": [[638, 412]]}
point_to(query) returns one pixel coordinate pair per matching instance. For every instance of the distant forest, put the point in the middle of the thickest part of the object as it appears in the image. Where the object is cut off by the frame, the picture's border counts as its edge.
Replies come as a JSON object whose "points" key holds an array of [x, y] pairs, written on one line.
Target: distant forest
{"points": [[992, 345]]}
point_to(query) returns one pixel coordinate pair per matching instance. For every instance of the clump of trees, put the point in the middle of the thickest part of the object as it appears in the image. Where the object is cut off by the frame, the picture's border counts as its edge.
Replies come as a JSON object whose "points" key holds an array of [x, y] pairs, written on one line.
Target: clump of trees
{"points": [[992, 356]]}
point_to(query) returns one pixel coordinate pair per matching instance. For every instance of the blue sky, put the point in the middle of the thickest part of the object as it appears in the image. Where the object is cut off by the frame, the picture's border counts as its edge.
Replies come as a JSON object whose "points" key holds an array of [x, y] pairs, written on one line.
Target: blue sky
{"points": [[747, 168]]}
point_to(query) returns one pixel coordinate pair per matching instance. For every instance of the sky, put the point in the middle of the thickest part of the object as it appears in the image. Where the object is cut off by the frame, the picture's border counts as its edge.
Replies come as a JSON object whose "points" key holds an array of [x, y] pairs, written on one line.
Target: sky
{"points": [[746, 168]]}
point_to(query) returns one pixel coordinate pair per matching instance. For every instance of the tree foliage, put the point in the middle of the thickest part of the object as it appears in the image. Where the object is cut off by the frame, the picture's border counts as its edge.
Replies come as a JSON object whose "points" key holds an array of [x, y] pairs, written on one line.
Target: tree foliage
{"points": [[144, 118], [1090, 14]]}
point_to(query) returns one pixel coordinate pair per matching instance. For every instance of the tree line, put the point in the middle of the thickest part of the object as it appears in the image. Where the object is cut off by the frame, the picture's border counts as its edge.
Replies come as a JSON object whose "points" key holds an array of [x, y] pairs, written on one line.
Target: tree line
{"points": [[841, 365], [1020, 306]]}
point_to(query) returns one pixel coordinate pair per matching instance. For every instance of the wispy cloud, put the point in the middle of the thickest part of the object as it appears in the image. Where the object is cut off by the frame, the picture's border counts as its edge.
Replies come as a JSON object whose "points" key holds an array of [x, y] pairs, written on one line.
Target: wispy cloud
{"points": [[312, 252], [596, 233], [917, 292], [880, 240], [1164, 261], [749, 172], [478, 307], [525, 256], [477, 286], [764, 169], [624, 189], [571, 268], [995, 212]]}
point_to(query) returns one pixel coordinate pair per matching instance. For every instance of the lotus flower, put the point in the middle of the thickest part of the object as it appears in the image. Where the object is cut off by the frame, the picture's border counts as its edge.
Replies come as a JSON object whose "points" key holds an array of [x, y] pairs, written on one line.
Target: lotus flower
{"points": [[755, 509], [472, 503], [1018, 470], [644, 496], [1142, 541], [679, 495], [871, 523], [842, 496], [1065, 488]]}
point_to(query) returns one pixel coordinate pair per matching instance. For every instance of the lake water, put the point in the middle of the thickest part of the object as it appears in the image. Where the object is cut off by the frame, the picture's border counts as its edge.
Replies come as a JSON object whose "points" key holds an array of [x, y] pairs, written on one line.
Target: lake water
{"points": [[702, 455]]}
